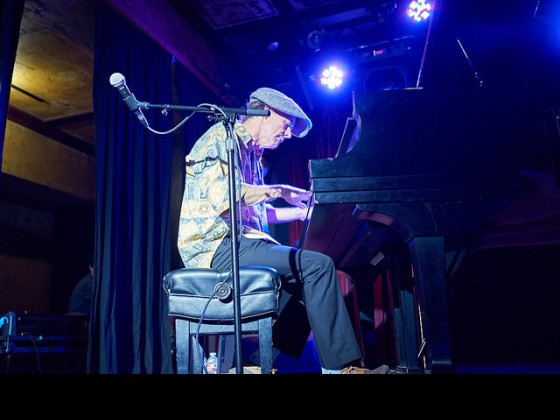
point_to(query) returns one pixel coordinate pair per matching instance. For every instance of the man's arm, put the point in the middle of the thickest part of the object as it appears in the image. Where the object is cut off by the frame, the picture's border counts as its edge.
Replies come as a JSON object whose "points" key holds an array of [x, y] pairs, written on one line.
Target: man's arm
{"points": [[285, 214]]}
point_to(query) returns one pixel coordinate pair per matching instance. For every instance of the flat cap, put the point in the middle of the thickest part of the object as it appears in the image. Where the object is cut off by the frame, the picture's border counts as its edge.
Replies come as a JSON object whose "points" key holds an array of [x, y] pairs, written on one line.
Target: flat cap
{"points": [[285, 105]]}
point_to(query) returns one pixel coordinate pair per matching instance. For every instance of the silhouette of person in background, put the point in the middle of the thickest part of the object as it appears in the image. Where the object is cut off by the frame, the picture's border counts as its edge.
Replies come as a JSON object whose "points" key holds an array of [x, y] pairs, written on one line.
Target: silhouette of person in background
{"points": [[80, 298]]}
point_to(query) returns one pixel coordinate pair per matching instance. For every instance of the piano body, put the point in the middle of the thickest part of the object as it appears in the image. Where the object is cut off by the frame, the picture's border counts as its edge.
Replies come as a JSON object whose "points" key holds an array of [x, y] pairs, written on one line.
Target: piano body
{"points": [[421, 175]]}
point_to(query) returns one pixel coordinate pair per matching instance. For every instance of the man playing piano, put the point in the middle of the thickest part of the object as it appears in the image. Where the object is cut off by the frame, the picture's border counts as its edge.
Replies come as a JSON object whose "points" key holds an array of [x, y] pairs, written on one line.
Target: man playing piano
{"points": [[204, 229]]}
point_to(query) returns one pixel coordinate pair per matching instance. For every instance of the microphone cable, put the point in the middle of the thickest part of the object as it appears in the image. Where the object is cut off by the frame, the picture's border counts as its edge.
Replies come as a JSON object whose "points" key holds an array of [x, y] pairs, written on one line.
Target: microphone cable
{"points": [[222, 291]]}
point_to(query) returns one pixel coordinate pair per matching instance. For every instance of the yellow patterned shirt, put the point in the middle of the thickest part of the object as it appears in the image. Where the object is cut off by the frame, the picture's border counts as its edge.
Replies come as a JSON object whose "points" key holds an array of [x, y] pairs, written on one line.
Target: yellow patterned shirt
{"points": [[204, 219]]}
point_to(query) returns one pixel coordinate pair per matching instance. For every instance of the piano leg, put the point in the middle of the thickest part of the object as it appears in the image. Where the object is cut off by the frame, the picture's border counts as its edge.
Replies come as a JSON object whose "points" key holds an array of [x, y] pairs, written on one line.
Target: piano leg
{"points": [[404, 314], [429, 263]]}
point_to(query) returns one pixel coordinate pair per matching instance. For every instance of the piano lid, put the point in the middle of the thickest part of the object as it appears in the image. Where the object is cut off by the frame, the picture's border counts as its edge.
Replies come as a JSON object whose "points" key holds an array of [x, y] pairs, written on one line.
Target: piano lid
{"points": [[440, 131]]}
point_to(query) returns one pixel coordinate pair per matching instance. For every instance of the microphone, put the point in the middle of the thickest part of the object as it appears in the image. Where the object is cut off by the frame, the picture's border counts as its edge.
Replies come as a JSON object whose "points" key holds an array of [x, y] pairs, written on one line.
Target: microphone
{"points": [[117, 80]]}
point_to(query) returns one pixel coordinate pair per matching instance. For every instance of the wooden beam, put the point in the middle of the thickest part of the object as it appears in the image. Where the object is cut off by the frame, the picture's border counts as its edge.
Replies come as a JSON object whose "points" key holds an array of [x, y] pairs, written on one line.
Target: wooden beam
{"points": [[50, 130], [159, 21]]}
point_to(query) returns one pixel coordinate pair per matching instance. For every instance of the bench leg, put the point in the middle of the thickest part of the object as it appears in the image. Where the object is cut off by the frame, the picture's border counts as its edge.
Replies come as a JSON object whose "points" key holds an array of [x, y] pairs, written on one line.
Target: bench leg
{"points": [[265, 345]]}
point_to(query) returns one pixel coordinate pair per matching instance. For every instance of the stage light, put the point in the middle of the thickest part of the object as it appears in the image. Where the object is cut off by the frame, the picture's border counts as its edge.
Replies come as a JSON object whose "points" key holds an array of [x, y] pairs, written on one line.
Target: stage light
{"points": [[332, 77], [273, 46], [315, 40], [419, 10]]}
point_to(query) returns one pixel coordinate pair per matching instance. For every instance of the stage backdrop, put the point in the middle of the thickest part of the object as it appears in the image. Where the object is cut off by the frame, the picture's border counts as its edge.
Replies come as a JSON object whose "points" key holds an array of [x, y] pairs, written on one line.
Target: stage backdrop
{"points": [[139, 189]]}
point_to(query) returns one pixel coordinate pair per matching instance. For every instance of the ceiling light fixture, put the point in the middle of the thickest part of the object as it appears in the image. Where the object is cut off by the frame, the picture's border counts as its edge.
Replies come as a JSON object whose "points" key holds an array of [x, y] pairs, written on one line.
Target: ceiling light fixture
{"points": [[273, 46], [332, 77], [315, 39], [419, 10]]}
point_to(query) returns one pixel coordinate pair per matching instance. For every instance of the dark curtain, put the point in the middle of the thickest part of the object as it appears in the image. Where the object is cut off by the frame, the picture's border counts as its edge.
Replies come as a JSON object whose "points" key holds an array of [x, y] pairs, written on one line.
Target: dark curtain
{"points": [[139, 188], [11, 12]]}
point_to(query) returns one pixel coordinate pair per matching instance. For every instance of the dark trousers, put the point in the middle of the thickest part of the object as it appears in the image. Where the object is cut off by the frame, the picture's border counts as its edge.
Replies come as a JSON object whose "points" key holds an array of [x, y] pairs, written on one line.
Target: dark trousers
{"points": [[311, 278]]}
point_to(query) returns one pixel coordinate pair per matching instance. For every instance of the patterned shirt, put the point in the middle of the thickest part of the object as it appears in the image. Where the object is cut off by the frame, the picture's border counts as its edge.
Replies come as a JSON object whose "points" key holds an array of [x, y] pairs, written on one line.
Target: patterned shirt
{"points": [[204, 219]]}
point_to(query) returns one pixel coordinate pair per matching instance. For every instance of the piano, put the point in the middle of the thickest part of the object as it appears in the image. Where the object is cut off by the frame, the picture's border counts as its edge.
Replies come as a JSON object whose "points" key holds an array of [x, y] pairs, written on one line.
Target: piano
{"points": [[420, 176]]}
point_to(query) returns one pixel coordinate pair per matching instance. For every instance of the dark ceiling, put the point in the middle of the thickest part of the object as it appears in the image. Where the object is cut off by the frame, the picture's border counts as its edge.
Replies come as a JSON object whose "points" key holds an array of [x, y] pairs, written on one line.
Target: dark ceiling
{"points": [[285, 42]]}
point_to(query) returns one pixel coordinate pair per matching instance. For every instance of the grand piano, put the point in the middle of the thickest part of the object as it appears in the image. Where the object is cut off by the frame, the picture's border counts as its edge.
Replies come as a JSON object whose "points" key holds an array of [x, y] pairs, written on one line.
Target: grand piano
{"points": [[466, 160], [420, 177]]}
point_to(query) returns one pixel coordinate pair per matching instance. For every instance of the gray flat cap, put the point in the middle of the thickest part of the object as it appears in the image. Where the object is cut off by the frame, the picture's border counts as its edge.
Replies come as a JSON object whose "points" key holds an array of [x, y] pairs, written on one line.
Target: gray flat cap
{"points": [[286, 105]]}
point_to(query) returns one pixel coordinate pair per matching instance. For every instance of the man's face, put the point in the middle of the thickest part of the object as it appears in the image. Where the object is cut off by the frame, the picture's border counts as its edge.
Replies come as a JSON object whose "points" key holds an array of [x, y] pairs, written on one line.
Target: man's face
{"points": [[274, 130]]}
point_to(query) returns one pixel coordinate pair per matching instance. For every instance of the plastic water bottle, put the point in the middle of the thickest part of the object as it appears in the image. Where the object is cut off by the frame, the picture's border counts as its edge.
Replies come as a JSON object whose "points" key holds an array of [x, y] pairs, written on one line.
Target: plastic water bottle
{"points": [[212, 363]]}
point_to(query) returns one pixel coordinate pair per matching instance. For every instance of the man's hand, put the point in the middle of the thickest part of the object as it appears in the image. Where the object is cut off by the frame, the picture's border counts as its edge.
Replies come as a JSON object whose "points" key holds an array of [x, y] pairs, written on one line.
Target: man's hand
{"points": [[295, 196]]}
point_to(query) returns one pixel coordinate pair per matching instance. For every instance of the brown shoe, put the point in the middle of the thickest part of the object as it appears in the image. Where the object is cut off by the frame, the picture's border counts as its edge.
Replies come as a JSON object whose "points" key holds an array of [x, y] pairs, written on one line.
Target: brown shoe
{"points": [[352, 370]]}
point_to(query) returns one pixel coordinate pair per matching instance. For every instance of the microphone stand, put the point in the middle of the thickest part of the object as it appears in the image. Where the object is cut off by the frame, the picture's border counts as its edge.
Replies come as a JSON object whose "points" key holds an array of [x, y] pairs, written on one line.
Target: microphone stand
{"points": [[227, 115], [234, 244]]}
